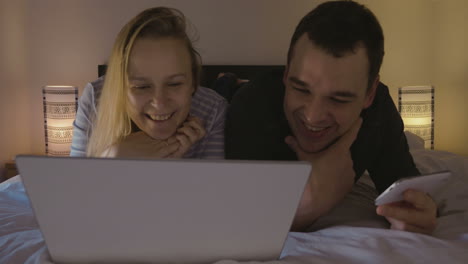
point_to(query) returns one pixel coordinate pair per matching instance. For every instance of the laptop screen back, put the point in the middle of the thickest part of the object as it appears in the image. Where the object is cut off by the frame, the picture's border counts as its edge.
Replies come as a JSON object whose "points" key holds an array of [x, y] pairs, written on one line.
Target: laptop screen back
{"points": [[178, 211]]}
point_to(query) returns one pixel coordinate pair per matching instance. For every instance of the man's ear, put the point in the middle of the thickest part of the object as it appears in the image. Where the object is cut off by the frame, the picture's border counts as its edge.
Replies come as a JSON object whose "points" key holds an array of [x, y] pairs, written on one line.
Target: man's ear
{"points": [[370, 94], [285, 75]]}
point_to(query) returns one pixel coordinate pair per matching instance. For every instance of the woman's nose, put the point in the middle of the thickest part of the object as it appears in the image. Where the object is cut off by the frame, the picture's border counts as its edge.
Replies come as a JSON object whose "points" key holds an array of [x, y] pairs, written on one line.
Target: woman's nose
{"points": [[159, 98]]}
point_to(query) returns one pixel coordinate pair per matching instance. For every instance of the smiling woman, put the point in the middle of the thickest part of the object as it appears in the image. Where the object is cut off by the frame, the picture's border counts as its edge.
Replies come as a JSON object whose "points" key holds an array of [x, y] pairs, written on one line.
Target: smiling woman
{"points": [[161, 87], [149, 103]]}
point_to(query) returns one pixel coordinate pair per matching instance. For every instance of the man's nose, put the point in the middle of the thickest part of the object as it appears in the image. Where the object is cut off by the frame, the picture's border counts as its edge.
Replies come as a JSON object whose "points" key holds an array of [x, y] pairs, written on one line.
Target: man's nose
{"points": [[315, 111]]}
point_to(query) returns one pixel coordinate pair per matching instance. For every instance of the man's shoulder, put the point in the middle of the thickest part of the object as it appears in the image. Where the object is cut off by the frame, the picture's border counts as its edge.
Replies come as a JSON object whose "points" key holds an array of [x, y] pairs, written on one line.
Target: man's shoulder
{"points": [[381, 93], [264, 90], [381, 108], [269, 79]]}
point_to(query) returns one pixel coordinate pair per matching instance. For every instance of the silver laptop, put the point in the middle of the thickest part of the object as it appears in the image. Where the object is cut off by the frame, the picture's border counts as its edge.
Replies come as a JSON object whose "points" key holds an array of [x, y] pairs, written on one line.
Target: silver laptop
{"points": [[162, 211]]}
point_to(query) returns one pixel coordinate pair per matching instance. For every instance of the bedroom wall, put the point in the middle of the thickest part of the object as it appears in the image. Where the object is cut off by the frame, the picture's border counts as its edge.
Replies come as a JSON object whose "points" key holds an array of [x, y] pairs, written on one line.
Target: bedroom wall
{"points": [[68, 39], [61, 42], [14, 95], [426, 44], [451, 75]]}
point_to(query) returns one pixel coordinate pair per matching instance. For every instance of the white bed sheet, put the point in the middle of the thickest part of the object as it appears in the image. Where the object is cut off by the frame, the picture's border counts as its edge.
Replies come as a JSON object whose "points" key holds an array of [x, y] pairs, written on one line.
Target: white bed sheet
{"points": [[351, 233]]}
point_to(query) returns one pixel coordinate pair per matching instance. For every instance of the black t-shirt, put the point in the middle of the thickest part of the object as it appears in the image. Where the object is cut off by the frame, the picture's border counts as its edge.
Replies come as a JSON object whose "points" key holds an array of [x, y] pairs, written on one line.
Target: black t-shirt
{"points": [[256, 128]]}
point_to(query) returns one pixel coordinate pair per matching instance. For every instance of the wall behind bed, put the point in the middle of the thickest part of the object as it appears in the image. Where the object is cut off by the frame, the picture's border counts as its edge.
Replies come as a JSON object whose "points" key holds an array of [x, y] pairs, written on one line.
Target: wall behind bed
{"points": [[61, 42]]}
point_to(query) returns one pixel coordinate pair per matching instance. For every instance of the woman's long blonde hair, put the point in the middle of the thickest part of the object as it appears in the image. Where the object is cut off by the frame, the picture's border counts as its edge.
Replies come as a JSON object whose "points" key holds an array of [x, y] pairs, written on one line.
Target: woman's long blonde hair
{"points": [[112, 122]]}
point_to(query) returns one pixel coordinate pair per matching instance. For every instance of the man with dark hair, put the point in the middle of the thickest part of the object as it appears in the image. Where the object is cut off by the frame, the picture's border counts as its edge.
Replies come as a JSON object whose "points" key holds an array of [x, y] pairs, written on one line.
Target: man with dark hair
{"points": [[329, 108]]}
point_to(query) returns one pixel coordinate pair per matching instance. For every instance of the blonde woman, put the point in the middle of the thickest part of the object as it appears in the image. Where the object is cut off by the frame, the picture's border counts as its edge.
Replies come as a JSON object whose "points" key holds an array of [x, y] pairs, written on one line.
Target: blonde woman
{"points": [[149, 103]]}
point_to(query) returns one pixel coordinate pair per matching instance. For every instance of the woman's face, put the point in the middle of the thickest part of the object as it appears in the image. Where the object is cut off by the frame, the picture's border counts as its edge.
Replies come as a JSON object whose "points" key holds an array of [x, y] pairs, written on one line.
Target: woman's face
{"points": [[160, 85]]}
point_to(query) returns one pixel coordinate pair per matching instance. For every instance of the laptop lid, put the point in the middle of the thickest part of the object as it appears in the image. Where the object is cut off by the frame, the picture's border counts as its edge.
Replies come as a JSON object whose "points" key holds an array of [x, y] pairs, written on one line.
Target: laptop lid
{"points": [[160, 211]]}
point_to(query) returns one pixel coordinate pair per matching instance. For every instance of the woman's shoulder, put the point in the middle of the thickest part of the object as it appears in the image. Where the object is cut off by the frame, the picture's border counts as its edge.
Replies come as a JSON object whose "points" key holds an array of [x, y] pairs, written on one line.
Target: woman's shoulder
{"points": [[207, 99], [207, 94], [92, 91], [208, 105], [96, 86]]}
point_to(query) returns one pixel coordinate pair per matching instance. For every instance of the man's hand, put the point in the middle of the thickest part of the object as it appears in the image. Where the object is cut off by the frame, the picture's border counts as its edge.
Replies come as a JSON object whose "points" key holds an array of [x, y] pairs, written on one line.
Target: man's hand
{"points": [[332, 177], [189, 133], [417, 213]]}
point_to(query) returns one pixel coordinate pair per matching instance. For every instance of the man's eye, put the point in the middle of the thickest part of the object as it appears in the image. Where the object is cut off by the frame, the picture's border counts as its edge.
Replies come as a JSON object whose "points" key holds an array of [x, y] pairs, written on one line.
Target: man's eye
{"points": [[340, 101], [301, 90]]}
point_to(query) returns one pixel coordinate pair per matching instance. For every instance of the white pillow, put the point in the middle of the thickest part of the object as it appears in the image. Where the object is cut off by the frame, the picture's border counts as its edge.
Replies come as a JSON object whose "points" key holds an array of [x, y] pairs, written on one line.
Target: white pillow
{"points": [[414, 141]]}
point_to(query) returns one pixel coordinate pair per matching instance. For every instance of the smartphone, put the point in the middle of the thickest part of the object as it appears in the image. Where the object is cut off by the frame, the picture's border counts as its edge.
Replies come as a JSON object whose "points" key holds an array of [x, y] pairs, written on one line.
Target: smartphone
{"points": [[429, 184]]}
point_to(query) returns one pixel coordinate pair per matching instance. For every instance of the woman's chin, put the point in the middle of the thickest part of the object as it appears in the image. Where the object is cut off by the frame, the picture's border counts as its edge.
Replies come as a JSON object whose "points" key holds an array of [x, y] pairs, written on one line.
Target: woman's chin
{"points": [[160, 135]]}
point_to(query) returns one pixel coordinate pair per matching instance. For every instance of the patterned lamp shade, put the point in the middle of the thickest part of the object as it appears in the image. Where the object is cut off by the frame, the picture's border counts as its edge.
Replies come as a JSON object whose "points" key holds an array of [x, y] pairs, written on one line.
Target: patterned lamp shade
{"points": [[60, 105], [416, 106]]}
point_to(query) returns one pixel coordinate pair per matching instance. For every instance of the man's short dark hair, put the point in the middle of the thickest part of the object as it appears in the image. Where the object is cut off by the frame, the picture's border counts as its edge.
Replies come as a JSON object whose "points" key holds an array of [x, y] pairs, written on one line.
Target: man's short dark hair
{"points": [[338, 27]]}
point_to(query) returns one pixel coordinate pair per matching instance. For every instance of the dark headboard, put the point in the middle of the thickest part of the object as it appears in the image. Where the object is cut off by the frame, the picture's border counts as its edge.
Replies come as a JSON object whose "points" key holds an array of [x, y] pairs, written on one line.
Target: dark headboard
{"points": [[101, 69], [210, 72], [248, 72]]}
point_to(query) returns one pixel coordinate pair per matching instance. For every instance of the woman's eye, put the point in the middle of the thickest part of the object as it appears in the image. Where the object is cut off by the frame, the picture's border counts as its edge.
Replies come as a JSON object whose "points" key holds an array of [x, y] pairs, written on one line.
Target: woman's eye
{"points": [[141, 87], [175, 84]]}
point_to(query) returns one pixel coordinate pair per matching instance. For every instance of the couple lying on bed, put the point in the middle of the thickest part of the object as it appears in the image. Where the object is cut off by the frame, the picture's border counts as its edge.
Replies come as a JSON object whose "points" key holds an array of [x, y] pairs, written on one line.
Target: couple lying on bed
{"points": [[328, 107]]}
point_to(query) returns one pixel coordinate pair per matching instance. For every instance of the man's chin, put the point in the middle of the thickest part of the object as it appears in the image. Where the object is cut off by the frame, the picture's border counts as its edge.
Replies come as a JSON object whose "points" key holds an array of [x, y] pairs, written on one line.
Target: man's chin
{"points": [[315, 147], [313, 150]]}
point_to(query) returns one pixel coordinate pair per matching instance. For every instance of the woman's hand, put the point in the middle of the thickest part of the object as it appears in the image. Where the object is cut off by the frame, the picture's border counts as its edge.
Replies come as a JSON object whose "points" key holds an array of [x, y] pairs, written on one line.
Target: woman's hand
{"points": [[140, 145], [189, 133]]}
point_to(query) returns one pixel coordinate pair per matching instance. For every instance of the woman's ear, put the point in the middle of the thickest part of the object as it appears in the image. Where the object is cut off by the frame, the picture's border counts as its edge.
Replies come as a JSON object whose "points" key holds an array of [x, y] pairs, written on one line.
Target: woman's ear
{"points": [[370, 94]]}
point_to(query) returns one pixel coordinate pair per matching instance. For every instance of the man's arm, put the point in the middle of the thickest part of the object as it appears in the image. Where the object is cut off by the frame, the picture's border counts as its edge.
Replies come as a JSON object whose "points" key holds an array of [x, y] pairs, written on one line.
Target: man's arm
{"points": [[331, 178], [418, 212], [392, 159]]}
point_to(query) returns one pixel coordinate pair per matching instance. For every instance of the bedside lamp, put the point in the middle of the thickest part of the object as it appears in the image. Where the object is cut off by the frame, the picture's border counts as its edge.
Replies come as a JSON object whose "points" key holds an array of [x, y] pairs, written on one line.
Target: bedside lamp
{"points": [[416, 106], [60, 105]]}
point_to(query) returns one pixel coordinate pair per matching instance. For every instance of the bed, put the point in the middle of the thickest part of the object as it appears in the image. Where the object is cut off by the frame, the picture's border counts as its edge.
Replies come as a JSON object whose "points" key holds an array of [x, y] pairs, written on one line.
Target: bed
{"points": [[351, 233]]}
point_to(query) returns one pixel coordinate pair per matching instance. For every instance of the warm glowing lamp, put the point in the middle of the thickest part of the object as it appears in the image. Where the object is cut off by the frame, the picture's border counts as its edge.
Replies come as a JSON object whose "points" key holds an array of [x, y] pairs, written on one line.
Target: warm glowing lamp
{"points": [[416, 106], [60, 105]]}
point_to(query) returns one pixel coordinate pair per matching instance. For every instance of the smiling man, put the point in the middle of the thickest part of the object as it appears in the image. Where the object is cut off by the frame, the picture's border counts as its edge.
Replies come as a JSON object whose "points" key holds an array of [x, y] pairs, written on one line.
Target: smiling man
{"points": [[329, 108], [324, 94]]}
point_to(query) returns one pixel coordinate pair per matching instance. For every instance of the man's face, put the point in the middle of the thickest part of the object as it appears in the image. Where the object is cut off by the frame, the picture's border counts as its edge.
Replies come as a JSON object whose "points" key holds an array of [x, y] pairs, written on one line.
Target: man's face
{"points": [[324, 95]]}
